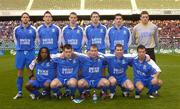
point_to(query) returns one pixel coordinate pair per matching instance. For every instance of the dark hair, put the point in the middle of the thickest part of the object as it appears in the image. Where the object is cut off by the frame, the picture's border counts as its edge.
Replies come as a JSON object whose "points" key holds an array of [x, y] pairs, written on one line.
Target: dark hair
{"points": [[141, 47], [73, 13], [118, 45], [94, 12], [118, 14], [67, 46], [39, 58], [144, 12], [94, 46], [47, 12], [25, 13]]}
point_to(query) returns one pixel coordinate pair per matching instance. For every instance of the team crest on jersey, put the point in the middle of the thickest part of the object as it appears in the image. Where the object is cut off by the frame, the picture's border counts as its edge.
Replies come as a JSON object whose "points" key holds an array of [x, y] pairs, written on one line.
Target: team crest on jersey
{"points": [[78, 31], [47, 64], [42, 64], [123, 61], [74, 61], [30, 31], [99, 60], [144, 67], [124, 32], [53, 30], [101, 30]]}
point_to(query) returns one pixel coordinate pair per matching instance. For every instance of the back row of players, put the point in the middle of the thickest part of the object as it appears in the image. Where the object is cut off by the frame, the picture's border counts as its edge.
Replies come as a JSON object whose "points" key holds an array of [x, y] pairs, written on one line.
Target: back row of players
{"points": [[97, 38]]}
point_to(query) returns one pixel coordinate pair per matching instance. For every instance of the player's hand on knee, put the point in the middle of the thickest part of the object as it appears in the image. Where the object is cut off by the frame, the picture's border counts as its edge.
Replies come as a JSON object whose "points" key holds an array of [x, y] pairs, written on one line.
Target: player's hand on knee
{"points": [[154, 81]]}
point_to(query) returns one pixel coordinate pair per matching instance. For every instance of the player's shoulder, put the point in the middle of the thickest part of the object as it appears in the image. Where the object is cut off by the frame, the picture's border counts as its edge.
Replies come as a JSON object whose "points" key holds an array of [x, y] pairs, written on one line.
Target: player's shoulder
{"points": [[56, 26], [103, 26], [125, 28], [39, 27], [110, 29], [17, 27], [33, 27], [87, 27], [138, 25], [79, 27]]}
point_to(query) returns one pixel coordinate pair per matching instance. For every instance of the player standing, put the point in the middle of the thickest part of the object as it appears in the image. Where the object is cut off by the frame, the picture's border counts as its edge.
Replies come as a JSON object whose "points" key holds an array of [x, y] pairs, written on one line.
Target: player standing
{"points": [[146, 33], [118, 34], [73, 33], [49, 34], [24, 38]]}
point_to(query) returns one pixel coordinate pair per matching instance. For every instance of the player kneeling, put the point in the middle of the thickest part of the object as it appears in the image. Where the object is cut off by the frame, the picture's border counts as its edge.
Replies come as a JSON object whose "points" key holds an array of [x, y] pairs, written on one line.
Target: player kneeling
{"points": [[92, 73], [67, 71], [117, 66], [144, 74], [45, 72]]}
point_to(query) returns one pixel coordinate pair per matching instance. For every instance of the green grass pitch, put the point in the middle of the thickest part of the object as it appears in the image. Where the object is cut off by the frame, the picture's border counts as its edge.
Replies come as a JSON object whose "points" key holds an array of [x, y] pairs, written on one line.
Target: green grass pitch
{"points": [[169, 93]]}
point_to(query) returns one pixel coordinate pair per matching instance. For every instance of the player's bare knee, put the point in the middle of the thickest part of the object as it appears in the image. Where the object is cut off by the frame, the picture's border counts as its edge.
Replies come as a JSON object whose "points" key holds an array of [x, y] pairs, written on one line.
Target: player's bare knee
{"points": [[139, 86], [72, 82], [81, 83], [131, 87], [106, 83], [53, 84], [29, 86], [20, 73], [160, 82], [46, 84], [112, 81]]}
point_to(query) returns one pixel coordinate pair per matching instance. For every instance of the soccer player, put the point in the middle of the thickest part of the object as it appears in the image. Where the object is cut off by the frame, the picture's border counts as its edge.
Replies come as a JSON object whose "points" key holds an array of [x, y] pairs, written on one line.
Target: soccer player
{"points": [[92, 73], [144, 74], [146, 33], [67, 72], [45, 73], [24, 38], [73, 34], [118, 34], [49, 34], [95, 33], [117, 67]]}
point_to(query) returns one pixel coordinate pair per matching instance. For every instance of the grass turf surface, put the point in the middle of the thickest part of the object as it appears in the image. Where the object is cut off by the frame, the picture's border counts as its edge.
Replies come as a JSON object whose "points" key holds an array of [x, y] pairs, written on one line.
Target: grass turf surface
{"points": [[169, 93]]}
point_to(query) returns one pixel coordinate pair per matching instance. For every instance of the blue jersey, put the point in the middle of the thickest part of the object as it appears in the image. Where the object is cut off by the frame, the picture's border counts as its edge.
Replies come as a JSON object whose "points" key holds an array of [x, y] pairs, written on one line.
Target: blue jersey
{"points": [[73, 36], [92, 68], [96, 35], [49, 36], [44, 70], [117, 66], [67, 68], [142, 70], [118, 36], [24, 37]]}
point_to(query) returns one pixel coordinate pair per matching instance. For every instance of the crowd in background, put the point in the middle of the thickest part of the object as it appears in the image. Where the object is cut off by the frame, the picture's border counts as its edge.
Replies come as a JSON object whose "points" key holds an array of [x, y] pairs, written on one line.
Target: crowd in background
{"points": [[169, 30]]}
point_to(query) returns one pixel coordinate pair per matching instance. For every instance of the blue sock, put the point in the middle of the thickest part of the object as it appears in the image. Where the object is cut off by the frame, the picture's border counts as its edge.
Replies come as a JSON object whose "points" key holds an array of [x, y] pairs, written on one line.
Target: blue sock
{"points": [[67, 90], [153, 88], [80, 89], [138, 92], [112, 88], [104, 88], [156, 87], [73, 90], [19, 84], [35, 92], [56, 90]]}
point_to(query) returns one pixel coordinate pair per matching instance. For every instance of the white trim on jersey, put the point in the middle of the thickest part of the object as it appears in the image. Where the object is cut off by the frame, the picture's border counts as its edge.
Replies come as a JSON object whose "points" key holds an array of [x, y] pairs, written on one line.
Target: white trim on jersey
{"points": [[14, 35], [85, 35], [33, 64], [154, 65], [62, 35], [37, 37], [59, 37]]}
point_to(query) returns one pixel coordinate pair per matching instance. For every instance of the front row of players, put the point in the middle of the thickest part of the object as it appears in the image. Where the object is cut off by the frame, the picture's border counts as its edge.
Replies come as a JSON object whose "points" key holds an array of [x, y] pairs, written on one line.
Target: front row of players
{"points": [[83, 72]]}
